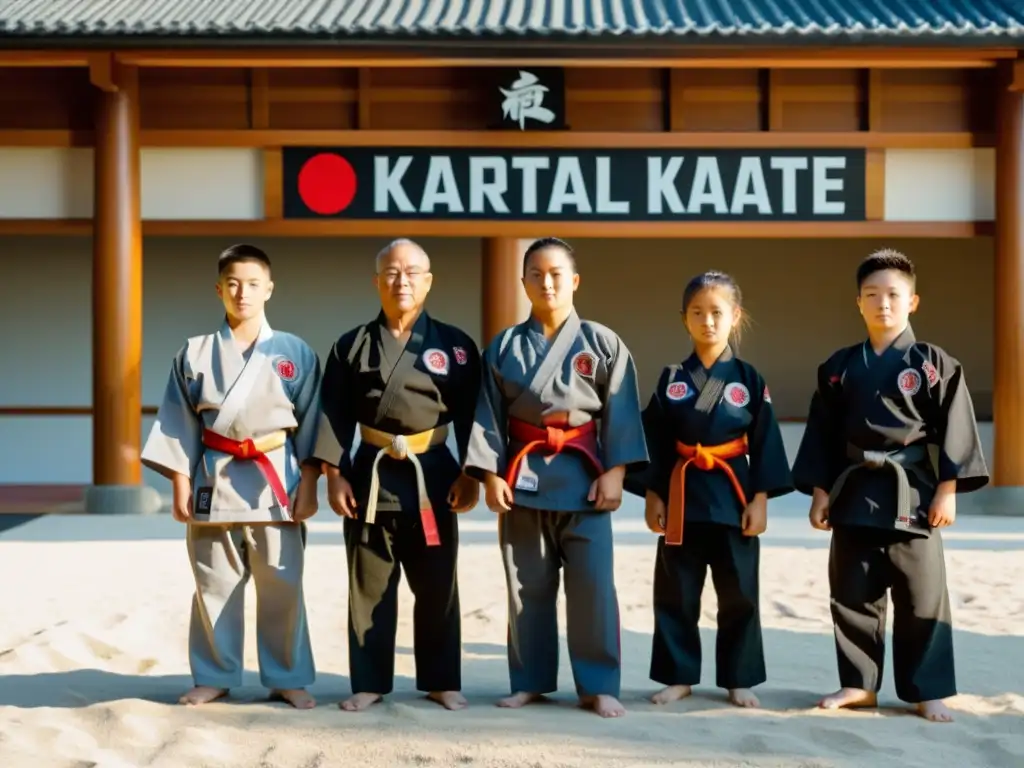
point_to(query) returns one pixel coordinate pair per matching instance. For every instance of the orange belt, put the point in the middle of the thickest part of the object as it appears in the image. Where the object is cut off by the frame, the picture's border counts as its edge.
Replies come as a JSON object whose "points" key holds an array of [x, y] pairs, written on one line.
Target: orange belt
{"points": [[254, 451], [551, 439], [704, 457]]}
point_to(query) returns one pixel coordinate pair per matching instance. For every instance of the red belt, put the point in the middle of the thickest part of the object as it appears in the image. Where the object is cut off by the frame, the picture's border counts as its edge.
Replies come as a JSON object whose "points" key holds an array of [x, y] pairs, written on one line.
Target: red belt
{"points": [[551, 440], [704, 457], [248, 451]]}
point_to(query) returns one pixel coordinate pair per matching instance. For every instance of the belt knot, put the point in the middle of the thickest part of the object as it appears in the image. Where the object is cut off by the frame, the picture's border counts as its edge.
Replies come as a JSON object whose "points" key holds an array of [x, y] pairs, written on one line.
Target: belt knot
{"points": [[555, 439], [703, 458], [246, 448], [399, 448]]}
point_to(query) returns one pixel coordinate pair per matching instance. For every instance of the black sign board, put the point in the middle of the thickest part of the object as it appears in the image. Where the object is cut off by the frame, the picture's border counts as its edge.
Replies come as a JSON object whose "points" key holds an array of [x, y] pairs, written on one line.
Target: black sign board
{"points": [[528, 99], [574, 184]]}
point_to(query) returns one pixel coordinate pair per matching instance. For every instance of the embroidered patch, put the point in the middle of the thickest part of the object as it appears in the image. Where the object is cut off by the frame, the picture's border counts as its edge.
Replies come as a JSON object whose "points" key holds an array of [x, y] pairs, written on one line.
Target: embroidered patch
{"points": [[767, 396], [204, 500], [436, 361], [930, 373], [460, 355], [286, 369], [677, 390], [583, 364], [909, 381], [737, 394]]}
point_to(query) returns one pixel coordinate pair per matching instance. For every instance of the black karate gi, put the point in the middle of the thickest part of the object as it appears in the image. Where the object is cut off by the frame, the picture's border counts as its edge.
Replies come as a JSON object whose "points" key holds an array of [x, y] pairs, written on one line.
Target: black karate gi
{"points": [[692, 405], [874, 420], [370, 379]]}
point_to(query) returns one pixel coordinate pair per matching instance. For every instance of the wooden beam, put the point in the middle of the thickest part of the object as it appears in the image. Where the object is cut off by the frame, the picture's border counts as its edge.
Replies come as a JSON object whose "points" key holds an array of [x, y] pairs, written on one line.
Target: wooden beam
{"points": [[18, 58], [503, 300], [117, 286], [273, 184], [363, 100], [1008, 349], [259, 99], [806, 58], [102, 69], [874, 185], [1017, 76], [676, 139], [519, 229], [875, 100]]}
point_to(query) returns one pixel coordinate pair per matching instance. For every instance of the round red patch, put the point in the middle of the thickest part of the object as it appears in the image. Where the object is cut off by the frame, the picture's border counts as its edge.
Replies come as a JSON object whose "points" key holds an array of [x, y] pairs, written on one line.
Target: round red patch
{"points": [[909, 381], [286, 369], [327, 183], [436, 361], [677, 390], [737, 394], [584, 364]]}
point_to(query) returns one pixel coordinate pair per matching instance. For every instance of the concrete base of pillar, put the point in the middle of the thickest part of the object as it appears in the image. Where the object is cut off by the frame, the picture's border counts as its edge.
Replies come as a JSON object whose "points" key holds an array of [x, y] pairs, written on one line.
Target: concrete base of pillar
{"points": [[122, 500], [997, 501]]}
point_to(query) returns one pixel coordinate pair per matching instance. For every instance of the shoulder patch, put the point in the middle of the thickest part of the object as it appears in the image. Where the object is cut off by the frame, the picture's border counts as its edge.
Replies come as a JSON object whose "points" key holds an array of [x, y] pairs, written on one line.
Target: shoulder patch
{"points": [[285, 368], [909, 381], [677, 390], [460, 355], [737, 394], [930, 373], [436, 361], [583, 363]]}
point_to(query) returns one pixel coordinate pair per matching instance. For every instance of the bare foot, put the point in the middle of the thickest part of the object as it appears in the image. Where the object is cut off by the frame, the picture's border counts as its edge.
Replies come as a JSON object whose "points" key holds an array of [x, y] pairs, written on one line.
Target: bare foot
{"points": [[605, 706], [743, 697], [672, 693], [517, 700], [360, 701], [297, 697], [935, 711], [849, 698], [202, 694], [452, 700]]}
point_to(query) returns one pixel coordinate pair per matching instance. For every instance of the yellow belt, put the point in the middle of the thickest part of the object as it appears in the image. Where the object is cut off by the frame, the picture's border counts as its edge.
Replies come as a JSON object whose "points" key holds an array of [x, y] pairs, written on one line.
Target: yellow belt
{"points": [[406, 448]]}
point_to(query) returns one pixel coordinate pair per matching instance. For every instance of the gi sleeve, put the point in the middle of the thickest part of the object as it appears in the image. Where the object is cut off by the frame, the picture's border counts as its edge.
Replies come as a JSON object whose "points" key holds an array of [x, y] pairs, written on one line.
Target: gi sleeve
{"points": [[622, 430], [657, 475], [337, 421], [769, 465], [819, 460], [487, 445], [956, 430], [307, 408], [175, 443], [466, 399]]}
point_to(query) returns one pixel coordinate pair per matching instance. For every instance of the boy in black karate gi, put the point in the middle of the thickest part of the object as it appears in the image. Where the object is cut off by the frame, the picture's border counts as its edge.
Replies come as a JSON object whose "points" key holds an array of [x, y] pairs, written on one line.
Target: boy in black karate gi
{"points": [[891, 439]]}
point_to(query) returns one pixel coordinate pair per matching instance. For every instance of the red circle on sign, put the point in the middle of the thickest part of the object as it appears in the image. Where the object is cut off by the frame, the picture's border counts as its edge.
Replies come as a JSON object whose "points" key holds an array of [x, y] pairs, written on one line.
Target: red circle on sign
{"points": [[327, 183]]}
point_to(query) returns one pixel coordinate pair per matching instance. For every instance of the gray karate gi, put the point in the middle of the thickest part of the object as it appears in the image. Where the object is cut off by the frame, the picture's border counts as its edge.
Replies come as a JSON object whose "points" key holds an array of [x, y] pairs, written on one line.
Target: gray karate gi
{"points": [[239, 527], [585, 374]]}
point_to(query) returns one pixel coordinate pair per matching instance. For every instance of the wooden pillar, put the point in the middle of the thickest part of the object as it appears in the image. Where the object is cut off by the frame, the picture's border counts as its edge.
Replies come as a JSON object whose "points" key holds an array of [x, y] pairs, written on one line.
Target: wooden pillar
{"points": [[116, 281], [504, 300], [1008, 389]]}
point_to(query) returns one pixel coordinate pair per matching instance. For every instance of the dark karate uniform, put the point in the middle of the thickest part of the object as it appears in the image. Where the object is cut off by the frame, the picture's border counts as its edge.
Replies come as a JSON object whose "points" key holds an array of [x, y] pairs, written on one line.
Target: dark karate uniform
{"points": [[727, 411], [882, 431], [373, 382]]}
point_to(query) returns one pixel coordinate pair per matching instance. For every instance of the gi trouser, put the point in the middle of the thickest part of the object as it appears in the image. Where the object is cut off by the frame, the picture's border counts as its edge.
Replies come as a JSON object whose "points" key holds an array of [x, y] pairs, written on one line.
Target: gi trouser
{"points": [[679, 576], [535, 546], [863, 564], [223, 558], [377, 555]]}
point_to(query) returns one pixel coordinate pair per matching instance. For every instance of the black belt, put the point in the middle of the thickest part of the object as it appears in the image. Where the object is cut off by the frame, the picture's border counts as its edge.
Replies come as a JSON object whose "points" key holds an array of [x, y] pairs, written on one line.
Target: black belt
{"points": [[899, 461]]}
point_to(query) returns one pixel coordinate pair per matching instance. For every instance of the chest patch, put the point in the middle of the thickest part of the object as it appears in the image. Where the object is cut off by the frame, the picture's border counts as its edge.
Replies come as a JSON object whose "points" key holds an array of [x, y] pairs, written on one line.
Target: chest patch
{"points": [[286, 369], [737, 394], [930, 373], [909, 381], [460, 355], [677, 390], [436, 361], [583, 364]]}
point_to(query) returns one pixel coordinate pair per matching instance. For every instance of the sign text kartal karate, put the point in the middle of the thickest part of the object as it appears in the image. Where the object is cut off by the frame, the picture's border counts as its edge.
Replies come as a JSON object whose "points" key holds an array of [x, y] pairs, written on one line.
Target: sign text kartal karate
{"points": [[574, 185]]}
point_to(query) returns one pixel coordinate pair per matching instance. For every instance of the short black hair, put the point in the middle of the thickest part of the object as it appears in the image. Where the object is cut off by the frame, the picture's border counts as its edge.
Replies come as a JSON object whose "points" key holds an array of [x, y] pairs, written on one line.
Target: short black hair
{"points": [[886, 258], [242, 252], [549, 242]]}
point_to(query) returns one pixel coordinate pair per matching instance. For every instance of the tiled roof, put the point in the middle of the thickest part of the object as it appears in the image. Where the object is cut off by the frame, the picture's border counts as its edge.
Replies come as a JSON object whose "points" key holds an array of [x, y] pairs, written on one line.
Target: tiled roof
{"points": [[765, 19]]}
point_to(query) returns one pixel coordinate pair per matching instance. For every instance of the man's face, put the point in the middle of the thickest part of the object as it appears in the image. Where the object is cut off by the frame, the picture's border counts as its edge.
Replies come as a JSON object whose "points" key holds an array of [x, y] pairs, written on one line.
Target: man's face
{"points": [[403, 280]]}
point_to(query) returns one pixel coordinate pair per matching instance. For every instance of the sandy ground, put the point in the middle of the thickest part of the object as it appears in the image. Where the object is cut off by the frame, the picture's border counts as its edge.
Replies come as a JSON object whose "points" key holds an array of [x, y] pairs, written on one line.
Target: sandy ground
{"points": [[93, 655]]}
